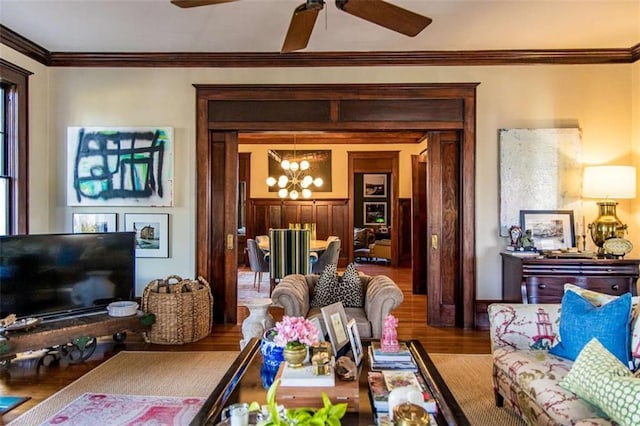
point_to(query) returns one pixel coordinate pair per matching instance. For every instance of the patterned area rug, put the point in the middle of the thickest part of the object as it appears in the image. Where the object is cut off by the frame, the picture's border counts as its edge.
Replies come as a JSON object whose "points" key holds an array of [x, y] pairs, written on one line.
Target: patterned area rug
{"points": [[184, 374], [246, 290], [110, 409], [469, 379]]}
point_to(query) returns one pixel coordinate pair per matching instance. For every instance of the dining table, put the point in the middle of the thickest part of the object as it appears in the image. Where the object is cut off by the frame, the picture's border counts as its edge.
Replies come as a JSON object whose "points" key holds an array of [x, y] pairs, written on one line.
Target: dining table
{"points": [[315, 245]]}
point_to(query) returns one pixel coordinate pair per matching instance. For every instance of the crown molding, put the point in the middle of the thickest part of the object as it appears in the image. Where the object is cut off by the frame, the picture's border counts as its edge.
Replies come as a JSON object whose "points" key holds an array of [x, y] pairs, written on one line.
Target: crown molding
{"points": [[635, 53], [316, 59], [28, 48]]}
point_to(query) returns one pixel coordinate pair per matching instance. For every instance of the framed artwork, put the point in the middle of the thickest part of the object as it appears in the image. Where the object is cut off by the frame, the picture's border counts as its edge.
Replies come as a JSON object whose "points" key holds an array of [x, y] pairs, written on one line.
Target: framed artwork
{"points": [[551, 229], [356, 343], [152, 233], [120, 166], [94, 222], [319, 165], [374, 186], [335, 320], [554, 156], [375, 213], [321, 332]]}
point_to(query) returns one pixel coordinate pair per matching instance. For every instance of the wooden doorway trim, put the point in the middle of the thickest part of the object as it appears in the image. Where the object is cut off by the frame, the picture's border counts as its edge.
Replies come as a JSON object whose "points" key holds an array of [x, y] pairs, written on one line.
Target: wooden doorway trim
{"points": [[230, 109], [375, 162]]}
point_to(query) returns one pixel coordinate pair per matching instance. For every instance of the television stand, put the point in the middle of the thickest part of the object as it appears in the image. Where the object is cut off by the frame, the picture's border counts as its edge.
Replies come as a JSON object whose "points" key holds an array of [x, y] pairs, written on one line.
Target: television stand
{"points": [[75, 337]]}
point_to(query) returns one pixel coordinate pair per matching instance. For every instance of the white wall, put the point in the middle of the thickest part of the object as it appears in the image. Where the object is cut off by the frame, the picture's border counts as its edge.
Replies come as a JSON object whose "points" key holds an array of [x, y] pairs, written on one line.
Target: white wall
{"points": [[597, 98]]}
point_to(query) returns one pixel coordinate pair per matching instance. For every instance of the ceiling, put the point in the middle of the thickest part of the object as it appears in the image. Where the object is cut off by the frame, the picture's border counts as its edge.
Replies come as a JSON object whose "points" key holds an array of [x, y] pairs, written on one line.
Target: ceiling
{"points": [[260, 26]]}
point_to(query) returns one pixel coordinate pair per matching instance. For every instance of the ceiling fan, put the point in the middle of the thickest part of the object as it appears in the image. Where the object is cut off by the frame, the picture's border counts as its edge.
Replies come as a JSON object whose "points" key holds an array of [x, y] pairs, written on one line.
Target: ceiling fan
{"points": [[304, 17]]}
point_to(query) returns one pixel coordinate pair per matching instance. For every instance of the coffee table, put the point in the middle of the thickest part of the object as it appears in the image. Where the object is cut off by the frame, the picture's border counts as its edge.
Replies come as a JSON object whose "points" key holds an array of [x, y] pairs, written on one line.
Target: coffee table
{"points": [[243, 383]]}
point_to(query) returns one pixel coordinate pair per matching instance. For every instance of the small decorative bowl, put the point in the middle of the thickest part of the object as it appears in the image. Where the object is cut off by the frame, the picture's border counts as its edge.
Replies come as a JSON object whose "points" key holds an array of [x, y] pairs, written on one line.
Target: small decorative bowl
{"points": [[122, 309]]}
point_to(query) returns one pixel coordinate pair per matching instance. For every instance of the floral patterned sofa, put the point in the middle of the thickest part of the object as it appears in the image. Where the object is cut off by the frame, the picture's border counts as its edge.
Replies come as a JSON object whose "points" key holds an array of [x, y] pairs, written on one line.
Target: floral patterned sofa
{"points": [[526, 376]]}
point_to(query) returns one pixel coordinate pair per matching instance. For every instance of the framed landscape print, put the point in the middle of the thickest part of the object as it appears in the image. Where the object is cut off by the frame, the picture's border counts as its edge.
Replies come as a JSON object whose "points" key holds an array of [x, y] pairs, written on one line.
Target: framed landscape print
{"points": [[152, 233], [551, 229], [375, 213], [374, 186], [94, 222], [335, 320]]}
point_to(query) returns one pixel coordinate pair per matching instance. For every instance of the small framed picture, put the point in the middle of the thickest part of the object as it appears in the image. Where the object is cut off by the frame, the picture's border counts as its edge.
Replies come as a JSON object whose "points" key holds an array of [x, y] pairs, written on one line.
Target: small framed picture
{"points": [[94, 222], [551, 229], [356, 343], [152, 233], [375, 213], [335, 319], [374, 186], [321, 331]]}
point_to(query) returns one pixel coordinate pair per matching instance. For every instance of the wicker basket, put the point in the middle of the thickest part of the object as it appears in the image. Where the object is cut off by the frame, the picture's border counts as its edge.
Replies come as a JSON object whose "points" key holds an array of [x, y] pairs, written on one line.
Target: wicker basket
{"points": [[183, 310]]}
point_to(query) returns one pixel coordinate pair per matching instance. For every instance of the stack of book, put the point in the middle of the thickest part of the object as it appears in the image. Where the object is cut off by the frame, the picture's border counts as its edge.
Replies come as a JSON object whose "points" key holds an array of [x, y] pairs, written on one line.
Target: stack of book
{"points": [[383, 382], [382, 360]]}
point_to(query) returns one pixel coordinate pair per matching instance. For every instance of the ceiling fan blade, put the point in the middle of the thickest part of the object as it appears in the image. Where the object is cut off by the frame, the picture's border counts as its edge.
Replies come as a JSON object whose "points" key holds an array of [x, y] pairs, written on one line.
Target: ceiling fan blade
{"points": [[386, 14], [301, 26], [196, 3]]}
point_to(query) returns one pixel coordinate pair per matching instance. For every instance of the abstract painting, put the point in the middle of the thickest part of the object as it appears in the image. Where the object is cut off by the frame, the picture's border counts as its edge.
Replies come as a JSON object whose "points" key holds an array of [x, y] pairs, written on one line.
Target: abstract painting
{"points": [[120, 166]]}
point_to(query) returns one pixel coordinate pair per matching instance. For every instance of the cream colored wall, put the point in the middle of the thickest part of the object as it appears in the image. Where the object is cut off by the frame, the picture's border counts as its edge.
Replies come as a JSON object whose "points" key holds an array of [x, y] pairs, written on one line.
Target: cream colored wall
{"points": [[596, 98], [634, 234], [42, 186], [339, 167]]}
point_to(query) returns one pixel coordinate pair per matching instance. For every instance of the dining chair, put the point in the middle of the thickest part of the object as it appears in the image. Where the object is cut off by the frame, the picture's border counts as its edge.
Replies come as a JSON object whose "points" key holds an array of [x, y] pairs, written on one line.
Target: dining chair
{"points": [[329, 256], [289, 253], [310, 226], [257, 262]]}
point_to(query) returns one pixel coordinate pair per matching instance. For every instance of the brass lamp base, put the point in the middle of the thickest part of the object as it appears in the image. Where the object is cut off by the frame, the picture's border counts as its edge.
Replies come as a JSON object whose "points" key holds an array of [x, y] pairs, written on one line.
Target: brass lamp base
{"points": [[607, 225]]}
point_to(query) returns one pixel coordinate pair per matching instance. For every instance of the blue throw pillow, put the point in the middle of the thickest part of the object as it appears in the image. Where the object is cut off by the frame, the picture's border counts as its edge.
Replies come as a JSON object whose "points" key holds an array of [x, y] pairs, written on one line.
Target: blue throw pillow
{"points": [[580, 322]]}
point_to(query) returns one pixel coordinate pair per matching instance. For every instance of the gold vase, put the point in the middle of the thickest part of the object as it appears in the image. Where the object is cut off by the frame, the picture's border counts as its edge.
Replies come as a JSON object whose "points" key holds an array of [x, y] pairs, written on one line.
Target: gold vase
{"points": [[295, 356]]}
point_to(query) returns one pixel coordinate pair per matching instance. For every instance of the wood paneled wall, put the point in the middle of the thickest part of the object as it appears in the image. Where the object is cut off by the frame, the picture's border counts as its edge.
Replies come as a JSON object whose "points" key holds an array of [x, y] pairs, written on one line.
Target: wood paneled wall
{"points": [[330, 216]]}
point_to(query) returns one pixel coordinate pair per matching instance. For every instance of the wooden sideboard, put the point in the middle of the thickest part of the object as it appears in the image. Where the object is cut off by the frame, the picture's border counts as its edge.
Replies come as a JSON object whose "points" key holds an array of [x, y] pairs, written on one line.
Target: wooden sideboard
{"points": [[541, 280]]}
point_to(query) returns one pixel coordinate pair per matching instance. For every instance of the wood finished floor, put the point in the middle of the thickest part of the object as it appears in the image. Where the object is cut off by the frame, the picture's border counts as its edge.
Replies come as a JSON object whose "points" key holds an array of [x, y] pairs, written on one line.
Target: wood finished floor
{"points": [[26, 377]]}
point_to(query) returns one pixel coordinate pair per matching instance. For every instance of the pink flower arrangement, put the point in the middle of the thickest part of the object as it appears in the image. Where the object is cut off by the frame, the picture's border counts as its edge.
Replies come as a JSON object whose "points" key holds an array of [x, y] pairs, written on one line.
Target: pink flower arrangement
{"points": [[295, 331]]}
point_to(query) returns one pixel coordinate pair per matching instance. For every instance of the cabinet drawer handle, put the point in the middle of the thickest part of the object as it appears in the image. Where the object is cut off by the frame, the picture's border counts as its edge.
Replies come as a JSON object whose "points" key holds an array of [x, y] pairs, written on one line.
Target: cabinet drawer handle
{"points": [[542, 286], [615, 287]]}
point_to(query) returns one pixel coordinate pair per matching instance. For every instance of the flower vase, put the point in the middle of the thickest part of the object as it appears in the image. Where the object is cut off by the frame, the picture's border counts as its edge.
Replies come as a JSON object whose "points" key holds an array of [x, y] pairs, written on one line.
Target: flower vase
{"points": [[271, 353], [295, 355]]}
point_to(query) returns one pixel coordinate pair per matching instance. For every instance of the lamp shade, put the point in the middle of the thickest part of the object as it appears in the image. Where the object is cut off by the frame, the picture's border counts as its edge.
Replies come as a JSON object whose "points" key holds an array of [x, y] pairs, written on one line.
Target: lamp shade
{"points": [[606, 182]]}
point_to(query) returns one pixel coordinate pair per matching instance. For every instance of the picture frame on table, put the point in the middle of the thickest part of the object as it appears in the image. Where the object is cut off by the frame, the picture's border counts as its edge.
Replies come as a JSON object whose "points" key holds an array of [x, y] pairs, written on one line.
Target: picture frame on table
{"points": [[551, 229], [152, 233], [356, 343], [335, 320], [94, 222], [374, 186], [318, 324]]}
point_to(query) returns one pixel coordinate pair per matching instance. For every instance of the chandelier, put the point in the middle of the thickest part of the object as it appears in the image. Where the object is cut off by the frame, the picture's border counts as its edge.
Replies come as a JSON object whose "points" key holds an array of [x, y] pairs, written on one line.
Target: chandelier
{"points": [[295, 181]]}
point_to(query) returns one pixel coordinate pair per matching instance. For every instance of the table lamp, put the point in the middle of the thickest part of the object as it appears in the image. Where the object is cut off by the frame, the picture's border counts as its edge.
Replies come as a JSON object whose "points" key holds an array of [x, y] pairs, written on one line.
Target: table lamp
{"points": [[608, 183]]}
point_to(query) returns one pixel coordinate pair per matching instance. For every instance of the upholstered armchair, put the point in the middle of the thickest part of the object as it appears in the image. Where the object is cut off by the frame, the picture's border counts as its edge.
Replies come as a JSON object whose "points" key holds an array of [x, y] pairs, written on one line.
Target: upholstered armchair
{"points": [[362, 239], [381, 295]]}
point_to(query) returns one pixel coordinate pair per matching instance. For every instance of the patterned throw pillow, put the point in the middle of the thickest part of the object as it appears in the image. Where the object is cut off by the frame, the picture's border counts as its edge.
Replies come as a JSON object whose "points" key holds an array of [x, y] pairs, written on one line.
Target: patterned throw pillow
{"points": [[331, 288], [580, 321], [351, 288], [325, 291], [600, 378]]}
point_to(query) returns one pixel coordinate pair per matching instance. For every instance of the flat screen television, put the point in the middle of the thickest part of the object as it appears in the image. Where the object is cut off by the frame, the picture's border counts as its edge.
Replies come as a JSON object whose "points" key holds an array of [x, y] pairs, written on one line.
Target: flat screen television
{"points": [[52, 276]]}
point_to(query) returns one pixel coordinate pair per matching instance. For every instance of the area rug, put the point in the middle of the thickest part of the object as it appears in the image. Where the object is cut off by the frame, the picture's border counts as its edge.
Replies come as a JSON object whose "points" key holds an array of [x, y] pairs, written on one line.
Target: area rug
{"points": [[110, 409], [247, 291], [469, 379], [163, 374]]}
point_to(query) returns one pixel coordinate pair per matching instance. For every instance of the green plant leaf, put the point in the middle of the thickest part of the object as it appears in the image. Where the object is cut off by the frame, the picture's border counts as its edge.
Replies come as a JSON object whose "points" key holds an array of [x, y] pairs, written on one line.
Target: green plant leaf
{"points": [[338, 411], [332, 421]]}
